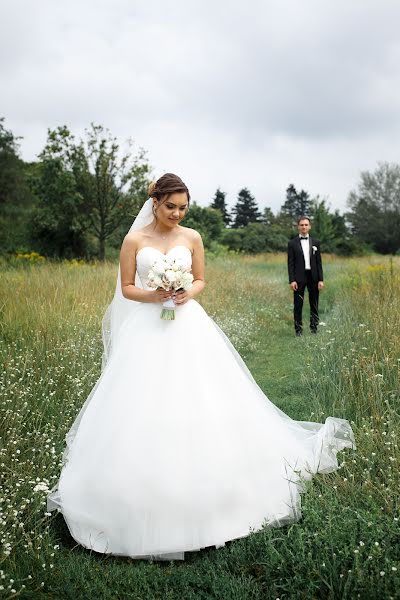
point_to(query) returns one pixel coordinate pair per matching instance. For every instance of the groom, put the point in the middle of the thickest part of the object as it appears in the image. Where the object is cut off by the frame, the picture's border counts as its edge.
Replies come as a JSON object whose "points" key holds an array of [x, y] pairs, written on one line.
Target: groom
{"points": [[305, 271]]}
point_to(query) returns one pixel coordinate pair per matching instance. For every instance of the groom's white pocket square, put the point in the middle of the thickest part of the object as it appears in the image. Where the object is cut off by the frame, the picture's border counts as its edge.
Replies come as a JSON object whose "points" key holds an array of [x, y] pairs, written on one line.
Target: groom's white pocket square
{"points": [[314, 249]]}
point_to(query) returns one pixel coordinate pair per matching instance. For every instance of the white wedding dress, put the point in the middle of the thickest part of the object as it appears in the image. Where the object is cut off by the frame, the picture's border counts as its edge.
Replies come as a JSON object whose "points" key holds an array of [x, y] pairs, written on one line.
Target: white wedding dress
{"points": [[177, 448]]}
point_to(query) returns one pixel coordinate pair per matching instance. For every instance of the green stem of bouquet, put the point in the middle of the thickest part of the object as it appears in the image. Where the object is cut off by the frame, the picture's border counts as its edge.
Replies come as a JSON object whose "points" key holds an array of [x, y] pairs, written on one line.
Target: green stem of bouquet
{"points": [[168, 314]]}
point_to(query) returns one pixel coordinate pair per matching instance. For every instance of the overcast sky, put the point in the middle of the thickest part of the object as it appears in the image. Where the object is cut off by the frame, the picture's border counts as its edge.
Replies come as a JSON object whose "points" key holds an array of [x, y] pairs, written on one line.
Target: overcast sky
{"points": [[256, 94]]}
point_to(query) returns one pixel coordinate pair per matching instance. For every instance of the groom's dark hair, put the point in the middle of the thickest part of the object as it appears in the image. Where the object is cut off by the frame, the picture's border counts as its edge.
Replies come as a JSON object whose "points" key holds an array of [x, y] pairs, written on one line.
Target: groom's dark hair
{"points": [[302, 219]]}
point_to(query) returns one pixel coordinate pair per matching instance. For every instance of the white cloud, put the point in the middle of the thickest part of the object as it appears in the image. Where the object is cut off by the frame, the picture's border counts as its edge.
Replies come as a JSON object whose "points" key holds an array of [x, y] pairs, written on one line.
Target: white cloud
{"points": [[258, 94]]}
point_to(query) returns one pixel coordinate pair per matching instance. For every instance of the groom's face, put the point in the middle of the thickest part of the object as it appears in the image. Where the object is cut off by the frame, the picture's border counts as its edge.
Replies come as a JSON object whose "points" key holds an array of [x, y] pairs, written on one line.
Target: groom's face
{"points": [[304, 226]]}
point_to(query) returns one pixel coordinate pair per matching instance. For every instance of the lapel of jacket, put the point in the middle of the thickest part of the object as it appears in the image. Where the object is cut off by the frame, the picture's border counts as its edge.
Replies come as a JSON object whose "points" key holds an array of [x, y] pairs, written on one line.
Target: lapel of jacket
{"points": [[310, 247], [300, 247]]}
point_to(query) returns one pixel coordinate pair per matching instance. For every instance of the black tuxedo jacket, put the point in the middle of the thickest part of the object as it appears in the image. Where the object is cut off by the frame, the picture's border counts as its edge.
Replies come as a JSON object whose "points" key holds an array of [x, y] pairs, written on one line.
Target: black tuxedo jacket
{"points": [[296, 264]]}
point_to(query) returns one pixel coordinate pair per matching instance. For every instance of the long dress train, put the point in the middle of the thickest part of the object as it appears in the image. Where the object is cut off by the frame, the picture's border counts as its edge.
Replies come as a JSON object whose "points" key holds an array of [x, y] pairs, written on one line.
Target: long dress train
{"points": [[177, 448]]}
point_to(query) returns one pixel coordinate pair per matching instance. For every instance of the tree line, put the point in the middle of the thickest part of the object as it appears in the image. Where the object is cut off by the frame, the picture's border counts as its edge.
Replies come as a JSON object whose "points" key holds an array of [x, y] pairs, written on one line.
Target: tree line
{"points": [[81, 195]]}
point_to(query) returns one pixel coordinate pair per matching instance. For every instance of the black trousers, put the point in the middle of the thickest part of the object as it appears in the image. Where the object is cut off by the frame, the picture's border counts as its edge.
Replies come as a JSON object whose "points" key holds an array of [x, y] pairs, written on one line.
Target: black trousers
{"points": [[313, 295]]}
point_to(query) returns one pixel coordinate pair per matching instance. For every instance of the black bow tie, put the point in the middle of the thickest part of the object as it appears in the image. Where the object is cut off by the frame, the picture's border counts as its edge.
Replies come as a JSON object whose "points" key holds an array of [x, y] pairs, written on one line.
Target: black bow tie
{"points": [[303, 238]]}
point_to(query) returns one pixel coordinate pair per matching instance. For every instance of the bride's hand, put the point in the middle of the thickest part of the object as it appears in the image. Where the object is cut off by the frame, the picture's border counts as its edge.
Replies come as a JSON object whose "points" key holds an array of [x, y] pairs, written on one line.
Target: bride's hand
{"points": [[159, 295], [181, 297]]}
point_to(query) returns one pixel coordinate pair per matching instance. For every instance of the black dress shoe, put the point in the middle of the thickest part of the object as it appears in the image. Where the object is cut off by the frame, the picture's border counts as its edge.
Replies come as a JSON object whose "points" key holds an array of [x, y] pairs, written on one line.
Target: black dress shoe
{"points": [[298, 334], [314, 331]]}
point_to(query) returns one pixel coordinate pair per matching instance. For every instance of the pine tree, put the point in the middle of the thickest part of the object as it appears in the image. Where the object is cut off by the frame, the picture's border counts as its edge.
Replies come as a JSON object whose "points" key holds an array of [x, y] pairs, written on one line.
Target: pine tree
{"points": [[246, 209], [304, 203], [219, 203], [296, 204], [289, 207], [268, 216]]}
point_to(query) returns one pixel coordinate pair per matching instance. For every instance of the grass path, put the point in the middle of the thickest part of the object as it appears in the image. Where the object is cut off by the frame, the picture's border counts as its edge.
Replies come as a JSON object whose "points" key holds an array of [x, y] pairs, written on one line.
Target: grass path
{"points": [[278, 361]]}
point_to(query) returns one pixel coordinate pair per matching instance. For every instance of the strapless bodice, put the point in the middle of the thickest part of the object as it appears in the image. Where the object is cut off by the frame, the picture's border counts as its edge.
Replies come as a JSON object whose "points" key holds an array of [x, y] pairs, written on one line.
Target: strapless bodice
{"points": [[147, 255]]}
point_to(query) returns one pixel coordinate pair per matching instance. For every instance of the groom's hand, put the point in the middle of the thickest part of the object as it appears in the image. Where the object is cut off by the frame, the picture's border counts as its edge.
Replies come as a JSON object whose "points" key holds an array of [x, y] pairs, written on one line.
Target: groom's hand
{"points": [[320, 285], [294, 286]]}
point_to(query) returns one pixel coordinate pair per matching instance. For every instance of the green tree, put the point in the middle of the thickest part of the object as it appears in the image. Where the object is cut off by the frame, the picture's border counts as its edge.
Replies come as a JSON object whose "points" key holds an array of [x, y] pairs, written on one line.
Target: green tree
{"points": [[207, 221], [268, 216], [255, 238], [285, 225], [59, 222], [332, 230], [375, 208], [322, 225], [10, 166], [219, 203], [233, 239], [114, 184], [277, 238], [346, 243], [15, 196], [245, 210], [104, 187], [296, 204]]}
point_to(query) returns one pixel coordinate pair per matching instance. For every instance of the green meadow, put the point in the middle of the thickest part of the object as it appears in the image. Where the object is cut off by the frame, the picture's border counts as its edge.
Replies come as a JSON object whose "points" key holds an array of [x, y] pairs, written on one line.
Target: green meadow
{"points": [[347, 544]]}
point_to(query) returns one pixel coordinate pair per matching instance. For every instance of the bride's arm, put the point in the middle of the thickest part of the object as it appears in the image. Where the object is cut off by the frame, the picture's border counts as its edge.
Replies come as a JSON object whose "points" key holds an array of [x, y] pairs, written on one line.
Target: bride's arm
{"points": [[197, 271], [127, 263], [197, 266]]}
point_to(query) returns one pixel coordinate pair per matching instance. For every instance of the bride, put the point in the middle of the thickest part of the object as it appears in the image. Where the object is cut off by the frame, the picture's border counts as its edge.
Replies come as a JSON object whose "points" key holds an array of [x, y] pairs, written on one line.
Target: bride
{"points": [[176, 447]]}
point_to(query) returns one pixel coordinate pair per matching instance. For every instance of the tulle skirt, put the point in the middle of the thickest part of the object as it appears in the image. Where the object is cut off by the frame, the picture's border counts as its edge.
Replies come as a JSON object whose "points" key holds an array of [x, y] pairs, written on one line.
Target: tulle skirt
{"points": [[177, 448]]}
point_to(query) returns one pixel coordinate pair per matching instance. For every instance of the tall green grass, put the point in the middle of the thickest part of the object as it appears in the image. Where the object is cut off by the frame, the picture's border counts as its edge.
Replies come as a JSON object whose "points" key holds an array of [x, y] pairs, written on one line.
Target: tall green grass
{"points": [[347, 543]]}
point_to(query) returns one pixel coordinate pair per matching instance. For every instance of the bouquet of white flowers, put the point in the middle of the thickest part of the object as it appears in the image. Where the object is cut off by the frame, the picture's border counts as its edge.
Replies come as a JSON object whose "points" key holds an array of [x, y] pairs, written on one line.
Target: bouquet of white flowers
{"points": [[171, 275]]}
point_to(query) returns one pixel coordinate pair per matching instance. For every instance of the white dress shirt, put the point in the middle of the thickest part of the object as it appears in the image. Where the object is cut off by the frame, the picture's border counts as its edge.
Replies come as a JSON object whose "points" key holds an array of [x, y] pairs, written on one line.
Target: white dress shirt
{"points": [[305, 245]]}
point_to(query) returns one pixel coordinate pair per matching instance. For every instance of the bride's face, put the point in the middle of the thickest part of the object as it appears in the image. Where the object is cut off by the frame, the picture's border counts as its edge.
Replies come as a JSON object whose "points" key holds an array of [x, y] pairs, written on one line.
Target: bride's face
{"points": [[172, 210]]}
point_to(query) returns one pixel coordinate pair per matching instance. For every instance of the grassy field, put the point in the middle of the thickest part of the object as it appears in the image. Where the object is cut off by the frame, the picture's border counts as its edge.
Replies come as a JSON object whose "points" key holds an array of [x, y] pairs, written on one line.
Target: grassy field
{"points": [[347, 544]]}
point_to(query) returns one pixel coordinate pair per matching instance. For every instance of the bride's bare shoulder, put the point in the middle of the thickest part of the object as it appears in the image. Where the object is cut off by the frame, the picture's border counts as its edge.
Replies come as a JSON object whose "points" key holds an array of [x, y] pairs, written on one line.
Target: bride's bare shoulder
{"points": [[132, 240], [191, 235]]}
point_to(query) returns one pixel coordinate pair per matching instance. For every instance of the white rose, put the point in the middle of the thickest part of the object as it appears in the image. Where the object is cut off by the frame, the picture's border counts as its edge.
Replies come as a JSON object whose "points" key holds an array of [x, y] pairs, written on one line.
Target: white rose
{"points": [[180, 280], [170, 275], [159, 267], [186, 280]]}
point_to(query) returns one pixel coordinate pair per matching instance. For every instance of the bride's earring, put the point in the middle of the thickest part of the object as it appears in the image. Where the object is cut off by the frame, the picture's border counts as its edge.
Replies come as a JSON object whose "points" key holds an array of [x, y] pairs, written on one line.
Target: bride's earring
{"points": [[154, 210]]}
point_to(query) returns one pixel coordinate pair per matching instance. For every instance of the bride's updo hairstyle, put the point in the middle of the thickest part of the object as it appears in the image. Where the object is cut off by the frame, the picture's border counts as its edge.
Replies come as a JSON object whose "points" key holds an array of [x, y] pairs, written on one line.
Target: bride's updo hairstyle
{"points": [[168, 184]]}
